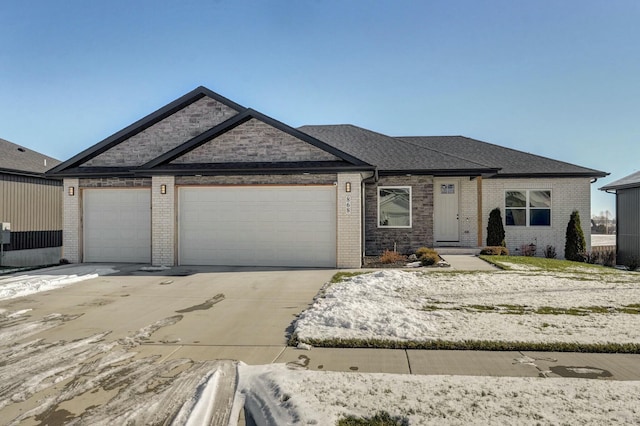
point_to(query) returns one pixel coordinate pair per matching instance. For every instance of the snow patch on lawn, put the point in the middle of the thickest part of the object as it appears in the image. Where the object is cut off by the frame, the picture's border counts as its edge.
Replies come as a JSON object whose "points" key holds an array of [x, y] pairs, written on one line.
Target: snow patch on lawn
{"points": [[283, 396], [409, 306]]}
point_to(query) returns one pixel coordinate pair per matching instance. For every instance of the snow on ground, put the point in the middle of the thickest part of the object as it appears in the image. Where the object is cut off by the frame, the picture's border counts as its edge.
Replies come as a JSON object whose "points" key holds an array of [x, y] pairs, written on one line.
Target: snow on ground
{"points": [[283, 396], [387, 304], [49, 279], [415, 306]]}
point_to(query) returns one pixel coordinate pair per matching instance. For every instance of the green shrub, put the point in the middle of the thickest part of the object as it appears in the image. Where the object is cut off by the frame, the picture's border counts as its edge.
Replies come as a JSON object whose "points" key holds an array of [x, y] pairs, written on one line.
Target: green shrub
{"points": [[495, 229], [631, 262], [495, 251], [575, 245], [427, 256]]}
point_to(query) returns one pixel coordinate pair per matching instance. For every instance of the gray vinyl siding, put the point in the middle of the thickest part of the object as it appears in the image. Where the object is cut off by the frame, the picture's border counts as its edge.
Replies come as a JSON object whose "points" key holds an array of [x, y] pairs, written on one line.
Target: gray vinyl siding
{"points": [[628, 218], [30, 203]]}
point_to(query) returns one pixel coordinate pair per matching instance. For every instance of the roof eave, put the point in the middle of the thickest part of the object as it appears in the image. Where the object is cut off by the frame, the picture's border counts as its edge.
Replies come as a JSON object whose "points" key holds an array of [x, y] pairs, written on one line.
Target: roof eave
{"points": [[439, 172], [617, 187], [207, 171], [590, 174]]}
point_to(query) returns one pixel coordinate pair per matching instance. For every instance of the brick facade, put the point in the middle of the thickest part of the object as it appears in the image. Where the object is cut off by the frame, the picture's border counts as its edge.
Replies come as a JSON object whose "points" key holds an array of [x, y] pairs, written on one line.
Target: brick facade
{"points": [[567, 194], [404, 240], [255, 141], [163, 222], [349, 224], [71, 231], [165, 135]]}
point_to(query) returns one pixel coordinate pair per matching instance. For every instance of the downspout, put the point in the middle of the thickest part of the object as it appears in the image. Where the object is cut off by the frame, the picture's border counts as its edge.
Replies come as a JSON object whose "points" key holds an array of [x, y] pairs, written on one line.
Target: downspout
{"points": [[371, 179]]}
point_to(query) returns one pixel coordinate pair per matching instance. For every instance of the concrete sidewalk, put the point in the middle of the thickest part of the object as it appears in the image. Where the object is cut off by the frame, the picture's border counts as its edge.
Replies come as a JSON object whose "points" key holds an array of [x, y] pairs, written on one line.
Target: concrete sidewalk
{"points": [[468, 363], [467, 262]]}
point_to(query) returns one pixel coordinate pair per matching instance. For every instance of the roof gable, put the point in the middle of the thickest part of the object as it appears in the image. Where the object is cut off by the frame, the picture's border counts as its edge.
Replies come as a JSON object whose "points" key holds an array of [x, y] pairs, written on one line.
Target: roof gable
{"points": [[252, 138], [204, 131], [254, 141], [185, 113], [17, 159]]}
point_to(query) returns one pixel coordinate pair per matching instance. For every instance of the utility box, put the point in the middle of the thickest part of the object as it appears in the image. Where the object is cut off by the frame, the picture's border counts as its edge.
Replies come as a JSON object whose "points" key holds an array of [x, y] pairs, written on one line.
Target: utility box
{"points": [[5, 233]]}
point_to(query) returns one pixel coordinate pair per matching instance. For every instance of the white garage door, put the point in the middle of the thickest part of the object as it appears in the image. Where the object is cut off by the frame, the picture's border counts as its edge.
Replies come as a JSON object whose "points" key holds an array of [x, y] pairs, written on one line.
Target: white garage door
{"points": [[258, 226], [117, 225]]}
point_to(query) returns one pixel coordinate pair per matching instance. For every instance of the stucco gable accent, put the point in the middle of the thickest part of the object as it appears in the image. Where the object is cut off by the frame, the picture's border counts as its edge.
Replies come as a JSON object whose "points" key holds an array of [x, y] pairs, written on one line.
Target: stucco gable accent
{"points": [[254, 141], [165, 135]]}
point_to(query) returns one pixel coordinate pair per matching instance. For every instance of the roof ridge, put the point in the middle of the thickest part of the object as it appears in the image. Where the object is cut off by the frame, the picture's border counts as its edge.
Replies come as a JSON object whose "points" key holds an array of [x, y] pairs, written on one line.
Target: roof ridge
{"points": [[446, 153]]}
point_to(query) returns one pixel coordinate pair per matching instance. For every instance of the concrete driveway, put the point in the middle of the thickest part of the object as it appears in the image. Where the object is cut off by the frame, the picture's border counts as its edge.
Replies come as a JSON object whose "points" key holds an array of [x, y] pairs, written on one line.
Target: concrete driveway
{"points": [[220, 308], [158, 318]]}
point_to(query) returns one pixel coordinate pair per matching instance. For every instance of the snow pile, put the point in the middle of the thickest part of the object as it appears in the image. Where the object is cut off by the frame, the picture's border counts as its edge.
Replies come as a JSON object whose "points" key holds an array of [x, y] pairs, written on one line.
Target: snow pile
{"points": [[24, 285], [283, 396], [408, 306]]}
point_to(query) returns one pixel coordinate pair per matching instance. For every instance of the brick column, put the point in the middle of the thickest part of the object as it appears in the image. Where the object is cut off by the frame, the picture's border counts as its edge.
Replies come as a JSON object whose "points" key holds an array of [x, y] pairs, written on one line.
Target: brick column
{"points": [[163, 213], [71, 224], [349, 221]]}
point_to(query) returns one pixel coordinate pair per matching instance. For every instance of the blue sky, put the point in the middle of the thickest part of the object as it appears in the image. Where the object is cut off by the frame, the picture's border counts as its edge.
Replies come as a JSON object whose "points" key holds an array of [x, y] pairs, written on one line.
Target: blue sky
{"points": [[555, 78]]}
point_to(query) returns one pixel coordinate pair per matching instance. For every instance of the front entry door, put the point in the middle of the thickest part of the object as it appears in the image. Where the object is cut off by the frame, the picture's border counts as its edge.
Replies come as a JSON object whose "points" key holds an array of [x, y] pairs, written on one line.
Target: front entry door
{"points": [[446, 218]]}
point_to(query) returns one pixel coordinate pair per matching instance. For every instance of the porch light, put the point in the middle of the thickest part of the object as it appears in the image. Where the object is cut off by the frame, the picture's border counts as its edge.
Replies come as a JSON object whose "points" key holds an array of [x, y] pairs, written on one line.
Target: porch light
{"points": [[163, 189], [347, 187], [72, 191]]}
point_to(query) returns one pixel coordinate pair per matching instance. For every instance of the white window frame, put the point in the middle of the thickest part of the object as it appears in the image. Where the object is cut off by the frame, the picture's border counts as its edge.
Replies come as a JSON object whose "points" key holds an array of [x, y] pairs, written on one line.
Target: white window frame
{"points": [[408, 188], [528, 209]]}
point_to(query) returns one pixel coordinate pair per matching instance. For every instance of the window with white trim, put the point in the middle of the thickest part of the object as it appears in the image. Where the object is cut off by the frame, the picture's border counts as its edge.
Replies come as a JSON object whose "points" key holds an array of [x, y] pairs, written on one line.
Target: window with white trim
{"points": [[394, 206], [528, 207]]}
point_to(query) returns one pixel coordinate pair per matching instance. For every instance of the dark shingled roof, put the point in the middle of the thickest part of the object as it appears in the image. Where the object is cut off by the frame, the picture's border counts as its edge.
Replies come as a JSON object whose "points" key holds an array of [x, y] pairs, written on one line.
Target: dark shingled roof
{"points": [[16, 159], [393, 154], [511, 162], [631, 181], [442, 154]]}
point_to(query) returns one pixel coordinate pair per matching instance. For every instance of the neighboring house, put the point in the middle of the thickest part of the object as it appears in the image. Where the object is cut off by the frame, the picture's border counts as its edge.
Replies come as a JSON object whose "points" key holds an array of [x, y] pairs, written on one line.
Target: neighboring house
{"points": [[627, 192], [32, 205], [205, 181]]}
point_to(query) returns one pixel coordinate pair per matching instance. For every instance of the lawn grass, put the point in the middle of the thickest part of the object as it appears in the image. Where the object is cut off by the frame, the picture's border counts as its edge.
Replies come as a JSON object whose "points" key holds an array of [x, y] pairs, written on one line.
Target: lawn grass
{"points": [[541, 263], [633, 309], [473, 345], [341, 276]]}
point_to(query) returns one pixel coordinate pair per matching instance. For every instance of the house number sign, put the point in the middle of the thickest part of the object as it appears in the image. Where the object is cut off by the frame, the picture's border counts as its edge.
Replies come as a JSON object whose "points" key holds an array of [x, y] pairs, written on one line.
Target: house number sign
{"points": [[348, 204]]}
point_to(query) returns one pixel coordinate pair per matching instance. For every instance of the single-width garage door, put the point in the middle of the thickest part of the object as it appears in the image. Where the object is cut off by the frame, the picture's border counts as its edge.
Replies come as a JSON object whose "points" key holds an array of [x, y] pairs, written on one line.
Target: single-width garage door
{"points": [[258, 226], [117, 225]]}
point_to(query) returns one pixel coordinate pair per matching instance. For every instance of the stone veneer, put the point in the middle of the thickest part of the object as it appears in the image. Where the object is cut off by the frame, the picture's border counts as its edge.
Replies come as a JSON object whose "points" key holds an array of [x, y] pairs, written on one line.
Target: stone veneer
{"points": [[165, 135], [405, 240], [255, 141], [115, 183], [310, 179]]}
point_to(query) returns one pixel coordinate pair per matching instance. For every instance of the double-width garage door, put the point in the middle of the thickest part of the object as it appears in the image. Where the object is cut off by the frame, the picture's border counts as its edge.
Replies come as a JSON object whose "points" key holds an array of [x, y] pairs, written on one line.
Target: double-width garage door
{"points": [[261, 226], [117, 225]]}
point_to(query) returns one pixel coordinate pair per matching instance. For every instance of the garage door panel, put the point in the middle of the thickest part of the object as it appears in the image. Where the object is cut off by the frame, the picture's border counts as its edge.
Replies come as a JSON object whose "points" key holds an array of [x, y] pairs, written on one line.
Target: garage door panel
{"points": [[263, 226], [117, 225]]}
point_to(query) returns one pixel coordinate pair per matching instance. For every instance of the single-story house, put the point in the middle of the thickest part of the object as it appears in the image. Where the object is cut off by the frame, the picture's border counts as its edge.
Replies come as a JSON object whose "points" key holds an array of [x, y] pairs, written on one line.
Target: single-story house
{"points": [[627, 192], [205, 181], [30, 207]]}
